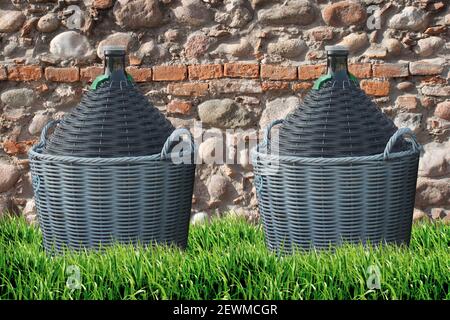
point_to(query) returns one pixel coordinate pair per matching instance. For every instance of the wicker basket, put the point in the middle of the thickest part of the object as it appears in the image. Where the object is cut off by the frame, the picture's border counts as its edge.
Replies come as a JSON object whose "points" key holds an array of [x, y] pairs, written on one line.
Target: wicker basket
{"points": [[309, 202], [93, 202]]}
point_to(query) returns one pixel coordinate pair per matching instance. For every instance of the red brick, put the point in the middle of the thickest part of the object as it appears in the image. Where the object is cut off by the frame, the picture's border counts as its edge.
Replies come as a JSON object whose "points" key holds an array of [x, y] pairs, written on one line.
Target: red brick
{"points": [[390, 70], [205, 72], [310, 72], [321, 33], [274, 85], [407, 102], [24, 73], [169, 73], [140, 74], [241, 70], [89, 74], [302, 86], [3, 74], [102, 4], [377, 88], [179, 107], [275, 72], [188, 89], [360, 70], [71, 74]]}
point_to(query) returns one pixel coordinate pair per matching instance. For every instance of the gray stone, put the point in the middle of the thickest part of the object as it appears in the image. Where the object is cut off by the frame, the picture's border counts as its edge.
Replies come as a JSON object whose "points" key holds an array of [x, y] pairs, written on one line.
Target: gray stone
{"points": [[38, 122], [405, 86], [121, 39], [217, 187], [427, 66], [299, 12], [5, 205], [71, 45], [18, 97], [436, 91], [409, 120], [287, 48], [9, 174], [193, 13], [224, 113], [432, 192], [210, 151], [236, 14], [29, 212], [136, 14], [410, 18], [278, 109], [48, 23], [355, 41], [428, 46], [11, 20], [435, 160]]}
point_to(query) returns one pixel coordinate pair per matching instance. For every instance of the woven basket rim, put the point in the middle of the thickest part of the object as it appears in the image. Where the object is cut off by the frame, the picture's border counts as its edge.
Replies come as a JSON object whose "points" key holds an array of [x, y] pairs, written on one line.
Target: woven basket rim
{"points": [[258, 154], [36, 153]]}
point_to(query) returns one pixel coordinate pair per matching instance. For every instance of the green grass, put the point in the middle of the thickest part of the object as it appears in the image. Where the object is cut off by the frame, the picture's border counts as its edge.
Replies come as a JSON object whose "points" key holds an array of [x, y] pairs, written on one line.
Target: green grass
{"points": [[225, 260]]}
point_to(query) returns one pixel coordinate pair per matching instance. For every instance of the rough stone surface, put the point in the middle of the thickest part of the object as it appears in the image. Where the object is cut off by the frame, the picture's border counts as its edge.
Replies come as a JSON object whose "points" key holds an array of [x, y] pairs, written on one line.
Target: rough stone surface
{"points": [[409, 120], [11, 20], [287, 48], [71, 45], [277, 109], [300, 12], [18, 97], [225, 113], [193, 13], [355, 41], [410, 18], [217, 187], [48, 23], [196, 45], [443, 110], [199, 218], [427, 66], [38, 122], [121, 39], [435, 160], [136, 14], [9, 174], [428, 46], [432, 192], [344, 13]]}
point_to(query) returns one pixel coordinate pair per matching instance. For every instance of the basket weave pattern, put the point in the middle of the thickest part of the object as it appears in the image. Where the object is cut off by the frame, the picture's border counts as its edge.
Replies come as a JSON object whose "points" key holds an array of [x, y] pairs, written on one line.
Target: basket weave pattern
{"points": [[321, 202], [93, 202]]}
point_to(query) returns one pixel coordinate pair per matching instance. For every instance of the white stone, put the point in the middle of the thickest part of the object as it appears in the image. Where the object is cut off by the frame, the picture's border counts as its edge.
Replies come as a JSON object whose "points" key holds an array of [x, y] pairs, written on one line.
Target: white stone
{"points": [[199, 218], [40, 119], [410, 18], [287, 48], [355, 41], [71, 45]]}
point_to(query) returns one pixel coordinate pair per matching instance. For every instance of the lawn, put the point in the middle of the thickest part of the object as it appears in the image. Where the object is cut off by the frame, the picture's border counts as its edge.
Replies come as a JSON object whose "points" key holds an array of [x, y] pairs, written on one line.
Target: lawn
{"points": [[226, 259]]}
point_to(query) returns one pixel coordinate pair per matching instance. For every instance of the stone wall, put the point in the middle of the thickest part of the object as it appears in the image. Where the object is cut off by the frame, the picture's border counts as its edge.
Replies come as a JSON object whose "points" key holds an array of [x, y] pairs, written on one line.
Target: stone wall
{"points": [[230, 64]]}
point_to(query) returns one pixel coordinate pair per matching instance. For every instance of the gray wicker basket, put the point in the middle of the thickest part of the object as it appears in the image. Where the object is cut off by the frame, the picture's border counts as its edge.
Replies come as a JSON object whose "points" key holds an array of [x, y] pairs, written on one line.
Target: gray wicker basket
{"points": [[93, 202], [322, 202]]}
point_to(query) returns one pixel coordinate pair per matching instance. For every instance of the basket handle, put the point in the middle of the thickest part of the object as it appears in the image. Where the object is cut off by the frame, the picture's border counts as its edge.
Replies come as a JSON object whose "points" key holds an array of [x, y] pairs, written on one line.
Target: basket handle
{"points": [[396, 136], [268, 129], [174, 137], [47, 127]]}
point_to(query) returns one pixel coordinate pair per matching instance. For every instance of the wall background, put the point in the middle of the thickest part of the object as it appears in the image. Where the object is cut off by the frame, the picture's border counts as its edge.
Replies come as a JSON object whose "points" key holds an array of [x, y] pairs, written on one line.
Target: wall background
{"points": [[231, 64]]}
